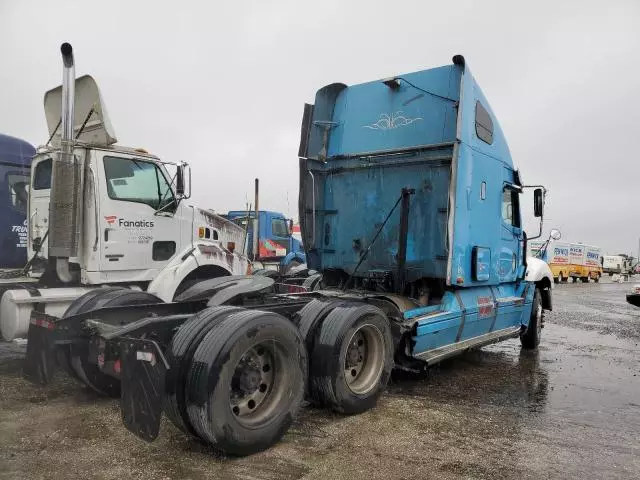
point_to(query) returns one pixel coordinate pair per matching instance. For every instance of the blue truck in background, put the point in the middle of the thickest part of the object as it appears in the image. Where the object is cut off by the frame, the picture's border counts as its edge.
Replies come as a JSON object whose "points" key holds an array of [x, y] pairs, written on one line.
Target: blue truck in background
{"points": [[410, 211], [15, 163], [276, 244]]}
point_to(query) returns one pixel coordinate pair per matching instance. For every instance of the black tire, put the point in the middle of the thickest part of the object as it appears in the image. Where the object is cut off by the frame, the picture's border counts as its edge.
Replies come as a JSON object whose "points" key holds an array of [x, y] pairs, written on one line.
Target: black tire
{"points": [[88, 372], [309, 321], [235, 426], [597, 279], [291, 265], [63, 352], [556, 280], [312, 282], [530, 339], [366, 328], [562, 278], [310, 318], [584, 279], [179, 355]]}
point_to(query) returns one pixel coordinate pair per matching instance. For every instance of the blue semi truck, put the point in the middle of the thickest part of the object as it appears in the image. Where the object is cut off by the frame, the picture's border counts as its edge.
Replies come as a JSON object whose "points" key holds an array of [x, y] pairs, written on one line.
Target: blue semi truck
{"points": [[410, 210], [15, 162], [276, 246]]}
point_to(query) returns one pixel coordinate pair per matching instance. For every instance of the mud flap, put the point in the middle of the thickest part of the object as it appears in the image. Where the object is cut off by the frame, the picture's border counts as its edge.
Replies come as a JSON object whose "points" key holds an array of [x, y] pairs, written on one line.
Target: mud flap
{"points": [[40, 364], [144, 370]]}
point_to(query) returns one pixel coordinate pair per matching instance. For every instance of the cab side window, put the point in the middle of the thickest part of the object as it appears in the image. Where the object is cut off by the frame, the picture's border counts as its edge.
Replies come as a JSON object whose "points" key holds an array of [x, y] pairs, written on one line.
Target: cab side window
{"points": [[19, 190], [484, 124], [139, 181], [511, 207], [42, 175]]}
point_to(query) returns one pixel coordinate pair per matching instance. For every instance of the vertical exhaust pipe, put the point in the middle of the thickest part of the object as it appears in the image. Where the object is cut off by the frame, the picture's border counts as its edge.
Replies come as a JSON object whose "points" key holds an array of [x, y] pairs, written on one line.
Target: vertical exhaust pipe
{"points": [[66, 182], [256, 225], [68, 98]]}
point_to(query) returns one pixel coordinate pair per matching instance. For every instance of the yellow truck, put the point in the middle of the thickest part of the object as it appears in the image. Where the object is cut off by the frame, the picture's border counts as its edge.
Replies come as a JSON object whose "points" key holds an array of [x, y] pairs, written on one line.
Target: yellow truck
{"points": [[569, 260]]}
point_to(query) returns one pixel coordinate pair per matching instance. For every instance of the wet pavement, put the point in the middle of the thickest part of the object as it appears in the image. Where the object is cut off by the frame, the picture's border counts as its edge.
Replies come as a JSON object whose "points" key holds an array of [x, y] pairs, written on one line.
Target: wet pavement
{"points": [[570, 410]]}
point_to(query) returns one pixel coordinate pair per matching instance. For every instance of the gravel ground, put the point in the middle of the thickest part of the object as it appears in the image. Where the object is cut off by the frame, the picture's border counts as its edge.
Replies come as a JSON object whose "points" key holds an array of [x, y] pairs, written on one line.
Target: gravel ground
{"points": [[569, 410]]}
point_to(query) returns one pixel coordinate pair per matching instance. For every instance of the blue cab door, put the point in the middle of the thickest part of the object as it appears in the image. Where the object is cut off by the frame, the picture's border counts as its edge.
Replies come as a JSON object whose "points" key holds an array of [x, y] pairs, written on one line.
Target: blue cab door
{"points": [[510, 233]]}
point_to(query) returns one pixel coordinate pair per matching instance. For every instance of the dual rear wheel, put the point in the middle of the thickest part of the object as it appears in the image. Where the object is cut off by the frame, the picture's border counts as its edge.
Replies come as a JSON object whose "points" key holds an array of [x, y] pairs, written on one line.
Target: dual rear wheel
{"points": [[238, 377]]}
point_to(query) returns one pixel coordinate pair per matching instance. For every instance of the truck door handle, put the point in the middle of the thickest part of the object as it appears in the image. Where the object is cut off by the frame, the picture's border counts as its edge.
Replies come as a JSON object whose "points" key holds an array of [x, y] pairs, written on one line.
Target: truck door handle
{"points": [[106, 234]]}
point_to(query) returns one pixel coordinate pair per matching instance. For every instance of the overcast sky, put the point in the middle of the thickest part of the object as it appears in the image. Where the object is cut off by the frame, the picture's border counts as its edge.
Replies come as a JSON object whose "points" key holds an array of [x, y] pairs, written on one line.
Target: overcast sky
{"points": [[222, 86]]}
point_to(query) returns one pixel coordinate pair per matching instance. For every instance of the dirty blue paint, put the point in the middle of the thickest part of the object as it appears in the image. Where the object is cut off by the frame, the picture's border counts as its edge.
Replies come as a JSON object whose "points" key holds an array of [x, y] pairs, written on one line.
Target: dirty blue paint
{"points": [[363, 198], [365, 143], [485, 310]]}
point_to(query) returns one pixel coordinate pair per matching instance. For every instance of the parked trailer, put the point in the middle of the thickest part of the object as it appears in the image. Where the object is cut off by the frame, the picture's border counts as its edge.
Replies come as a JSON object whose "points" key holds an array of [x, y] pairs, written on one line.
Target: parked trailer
{"points": [[409, 208], [569, 260], [101, 214], [617, 264]]}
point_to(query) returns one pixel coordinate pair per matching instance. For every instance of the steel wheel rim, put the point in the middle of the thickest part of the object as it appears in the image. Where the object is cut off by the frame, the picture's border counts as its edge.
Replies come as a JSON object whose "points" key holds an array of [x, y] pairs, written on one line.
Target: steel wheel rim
{"points": [[364, 359], [259, 381]]}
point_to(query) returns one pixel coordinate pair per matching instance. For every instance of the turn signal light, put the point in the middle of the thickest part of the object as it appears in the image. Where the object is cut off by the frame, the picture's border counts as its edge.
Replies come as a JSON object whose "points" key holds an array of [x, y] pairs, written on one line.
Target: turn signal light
{"points": [[201, 232], [231, 246]]}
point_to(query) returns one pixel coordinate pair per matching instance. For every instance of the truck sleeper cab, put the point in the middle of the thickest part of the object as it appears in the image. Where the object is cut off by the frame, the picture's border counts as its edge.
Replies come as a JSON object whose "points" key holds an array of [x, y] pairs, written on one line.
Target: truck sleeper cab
{"points": [[457, 258], [409, 208]]}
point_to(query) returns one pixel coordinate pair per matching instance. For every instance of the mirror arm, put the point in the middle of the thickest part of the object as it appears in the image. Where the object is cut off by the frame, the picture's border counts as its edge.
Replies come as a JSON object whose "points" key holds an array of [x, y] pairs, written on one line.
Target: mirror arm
{"points": [[544, 193]]}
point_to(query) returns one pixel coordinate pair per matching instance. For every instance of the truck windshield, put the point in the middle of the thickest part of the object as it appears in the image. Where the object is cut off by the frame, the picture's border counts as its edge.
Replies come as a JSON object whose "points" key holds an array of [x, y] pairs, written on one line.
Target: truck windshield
{"points": [[279, 227], [135, 180]]}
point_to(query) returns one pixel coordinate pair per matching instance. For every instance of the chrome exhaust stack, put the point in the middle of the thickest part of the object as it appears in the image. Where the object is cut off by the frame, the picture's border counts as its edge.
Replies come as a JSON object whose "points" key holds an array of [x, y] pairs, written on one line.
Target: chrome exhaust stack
{"points": [[65, 212]]}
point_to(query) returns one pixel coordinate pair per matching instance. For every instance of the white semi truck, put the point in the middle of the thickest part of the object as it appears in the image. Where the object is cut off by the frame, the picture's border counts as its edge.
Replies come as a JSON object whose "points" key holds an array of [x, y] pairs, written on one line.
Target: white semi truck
{"points": [[101, 214]]}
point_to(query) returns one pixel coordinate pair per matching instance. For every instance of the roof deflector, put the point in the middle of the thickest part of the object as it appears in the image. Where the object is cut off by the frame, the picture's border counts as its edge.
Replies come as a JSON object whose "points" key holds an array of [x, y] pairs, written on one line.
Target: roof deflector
{"points": [[90, 111]]}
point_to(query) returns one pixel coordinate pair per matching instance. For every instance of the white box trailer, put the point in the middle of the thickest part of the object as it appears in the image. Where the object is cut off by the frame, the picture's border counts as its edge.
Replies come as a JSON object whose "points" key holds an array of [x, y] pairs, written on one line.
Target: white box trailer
{"points": [[558, 253], [533, 249], [570, 260], [593, 256], [620, 264], [576, 254]]}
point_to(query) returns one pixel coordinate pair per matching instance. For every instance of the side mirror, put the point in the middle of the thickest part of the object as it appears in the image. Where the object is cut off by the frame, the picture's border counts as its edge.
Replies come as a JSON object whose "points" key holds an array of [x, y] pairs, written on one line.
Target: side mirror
{"points": [[555, 234], [290, 226], [180, 181], [538, 202]]}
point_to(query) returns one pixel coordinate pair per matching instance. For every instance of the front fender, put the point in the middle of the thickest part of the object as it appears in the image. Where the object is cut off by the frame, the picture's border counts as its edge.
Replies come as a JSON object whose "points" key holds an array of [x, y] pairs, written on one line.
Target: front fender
{"points": [[539, 273], [538, 270], [203, 253], [298, 256]]}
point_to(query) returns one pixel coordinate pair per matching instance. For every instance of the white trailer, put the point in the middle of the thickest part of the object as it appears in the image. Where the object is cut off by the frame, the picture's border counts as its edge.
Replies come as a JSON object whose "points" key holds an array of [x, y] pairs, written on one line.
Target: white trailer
{"points": [[101, 214], [616, 264]]}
